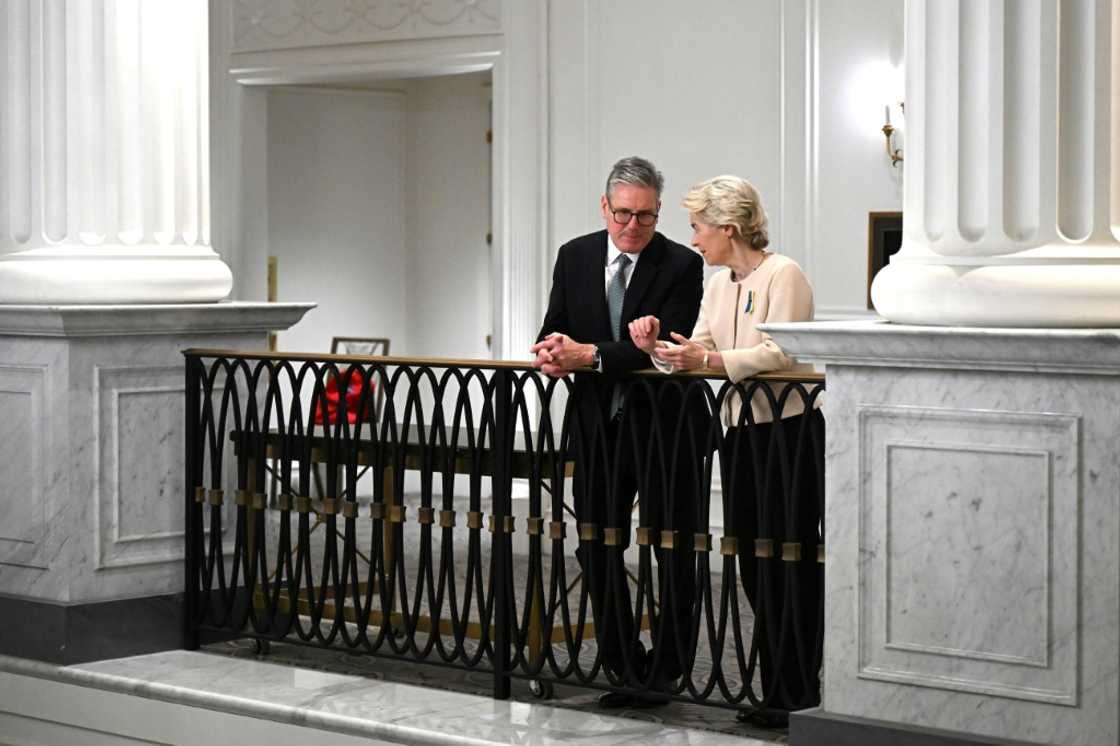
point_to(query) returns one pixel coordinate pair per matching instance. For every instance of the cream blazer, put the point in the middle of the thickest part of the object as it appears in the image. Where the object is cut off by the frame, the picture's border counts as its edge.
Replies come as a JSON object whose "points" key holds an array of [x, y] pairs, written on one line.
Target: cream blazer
{"points": [[730, 311]]}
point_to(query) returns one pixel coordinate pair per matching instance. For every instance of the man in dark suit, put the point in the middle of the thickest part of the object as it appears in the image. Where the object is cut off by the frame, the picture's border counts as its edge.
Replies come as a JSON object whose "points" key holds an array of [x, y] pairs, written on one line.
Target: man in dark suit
{"points": [[601, 282]]}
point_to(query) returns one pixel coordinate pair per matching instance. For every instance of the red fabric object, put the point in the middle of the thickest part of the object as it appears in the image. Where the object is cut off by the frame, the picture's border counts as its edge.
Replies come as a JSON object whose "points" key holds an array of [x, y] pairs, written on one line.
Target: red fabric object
{"points": [[353, 393]]}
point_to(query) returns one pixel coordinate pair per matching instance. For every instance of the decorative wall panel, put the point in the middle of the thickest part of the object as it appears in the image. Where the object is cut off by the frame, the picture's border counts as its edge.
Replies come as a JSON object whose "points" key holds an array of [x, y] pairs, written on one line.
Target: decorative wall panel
{"points": [[140, 466], [969, 518], [23, 426], [260, 25]]}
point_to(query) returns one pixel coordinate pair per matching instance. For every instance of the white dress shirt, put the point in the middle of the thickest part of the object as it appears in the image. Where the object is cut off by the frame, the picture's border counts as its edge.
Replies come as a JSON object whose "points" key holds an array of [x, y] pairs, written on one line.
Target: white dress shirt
{"points": [[613, 252]]}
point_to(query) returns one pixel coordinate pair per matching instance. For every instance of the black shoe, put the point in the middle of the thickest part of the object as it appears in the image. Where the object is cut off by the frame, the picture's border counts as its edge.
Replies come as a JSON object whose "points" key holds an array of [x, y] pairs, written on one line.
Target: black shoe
{"points": [[614, 700], [622, 700], [764, 718]]}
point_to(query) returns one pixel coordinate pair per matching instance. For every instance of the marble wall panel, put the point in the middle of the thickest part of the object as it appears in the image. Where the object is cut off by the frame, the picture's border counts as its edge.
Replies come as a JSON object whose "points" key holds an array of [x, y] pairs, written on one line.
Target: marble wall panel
{"points": [[971, 520], [139, 466], [1042, 450], [35, 517], [23, 437], [127, 398]]}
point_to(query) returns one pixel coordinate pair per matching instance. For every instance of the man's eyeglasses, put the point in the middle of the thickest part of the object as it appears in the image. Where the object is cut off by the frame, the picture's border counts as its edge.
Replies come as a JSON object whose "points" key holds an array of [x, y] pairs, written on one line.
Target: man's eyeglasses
{"points": [[622, 217]]}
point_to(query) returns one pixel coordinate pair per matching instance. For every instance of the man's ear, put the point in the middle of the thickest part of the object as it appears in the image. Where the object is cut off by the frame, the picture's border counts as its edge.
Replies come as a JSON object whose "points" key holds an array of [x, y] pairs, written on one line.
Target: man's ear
{"points": [[604, 206]]}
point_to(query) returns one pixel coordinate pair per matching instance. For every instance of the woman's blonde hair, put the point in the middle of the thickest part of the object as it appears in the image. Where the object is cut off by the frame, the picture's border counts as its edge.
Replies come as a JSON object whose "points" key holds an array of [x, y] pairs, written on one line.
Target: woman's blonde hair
{"points": [[730, 200]]}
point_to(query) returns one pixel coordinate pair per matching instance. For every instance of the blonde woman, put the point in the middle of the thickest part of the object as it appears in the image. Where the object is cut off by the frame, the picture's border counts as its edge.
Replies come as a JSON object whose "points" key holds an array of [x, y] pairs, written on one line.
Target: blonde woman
{"points": [[729, 229]]}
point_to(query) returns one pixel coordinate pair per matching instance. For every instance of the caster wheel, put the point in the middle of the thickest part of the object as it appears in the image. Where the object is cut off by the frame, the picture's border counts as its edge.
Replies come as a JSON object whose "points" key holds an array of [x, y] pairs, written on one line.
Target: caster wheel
{"points": [[540, 689], [261, 647]]}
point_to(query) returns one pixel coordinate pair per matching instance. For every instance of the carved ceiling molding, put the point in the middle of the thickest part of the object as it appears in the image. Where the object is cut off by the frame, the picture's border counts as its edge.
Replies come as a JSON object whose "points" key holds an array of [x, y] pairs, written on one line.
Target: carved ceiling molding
{"points": [[261, 25]]}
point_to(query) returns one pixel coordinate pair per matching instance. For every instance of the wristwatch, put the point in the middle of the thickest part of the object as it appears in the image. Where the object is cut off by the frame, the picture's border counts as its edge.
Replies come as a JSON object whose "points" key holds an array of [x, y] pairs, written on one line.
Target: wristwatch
{"points": [[596, 359]]}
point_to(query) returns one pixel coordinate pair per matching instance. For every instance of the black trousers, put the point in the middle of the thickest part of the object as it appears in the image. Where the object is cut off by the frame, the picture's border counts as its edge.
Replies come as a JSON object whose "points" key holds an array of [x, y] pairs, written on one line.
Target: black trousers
{"points": [[605, 486], [776, 496]]}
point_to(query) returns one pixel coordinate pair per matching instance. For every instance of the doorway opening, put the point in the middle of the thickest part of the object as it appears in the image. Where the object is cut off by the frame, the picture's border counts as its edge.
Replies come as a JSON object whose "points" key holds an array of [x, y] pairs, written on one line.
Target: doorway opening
{"points": [[380, 208]]}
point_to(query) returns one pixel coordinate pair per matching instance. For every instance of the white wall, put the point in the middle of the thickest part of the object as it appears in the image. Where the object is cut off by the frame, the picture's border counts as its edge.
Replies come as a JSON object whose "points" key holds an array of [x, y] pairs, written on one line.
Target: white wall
{"points": [[336, 208], [860, 64], [668, 82], [788, 93], [448, 215], [782, 92]]}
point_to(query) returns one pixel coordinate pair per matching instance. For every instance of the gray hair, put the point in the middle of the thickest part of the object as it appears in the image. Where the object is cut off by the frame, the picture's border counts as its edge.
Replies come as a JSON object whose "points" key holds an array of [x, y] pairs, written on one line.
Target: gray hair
{"points": [[636, 171]]}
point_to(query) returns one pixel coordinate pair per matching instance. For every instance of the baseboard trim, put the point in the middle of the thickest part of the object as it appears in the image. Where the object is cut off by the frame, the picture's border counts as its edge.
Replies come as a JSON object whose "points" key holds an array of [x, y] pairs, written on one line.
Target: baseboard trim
{"points": [[816, 727], [77, 633]]}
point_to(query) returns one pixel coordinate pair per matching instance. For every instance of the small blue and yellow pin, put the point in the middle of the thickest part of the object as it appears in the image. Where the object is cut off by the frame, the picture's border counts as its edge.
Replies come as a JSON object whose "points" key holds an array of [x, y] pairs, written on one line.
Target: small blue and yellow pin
{"points": [[749, 308]]}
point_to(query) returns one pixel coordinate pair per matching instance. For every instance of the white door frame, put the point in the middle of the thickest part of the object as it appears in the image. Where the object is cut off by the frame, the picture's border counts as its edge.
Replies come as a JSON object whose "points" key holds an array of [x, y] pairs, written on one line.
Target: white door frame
{"points": [[516, 53]]}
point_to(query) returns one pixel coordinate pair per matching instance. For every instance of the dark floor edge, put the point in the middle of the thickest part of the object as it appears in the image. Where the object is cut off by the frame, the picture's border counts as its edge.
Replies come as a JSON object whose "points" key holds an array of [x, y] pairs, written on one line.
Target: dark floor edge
{"points": [[77, 633], [819, 728]]}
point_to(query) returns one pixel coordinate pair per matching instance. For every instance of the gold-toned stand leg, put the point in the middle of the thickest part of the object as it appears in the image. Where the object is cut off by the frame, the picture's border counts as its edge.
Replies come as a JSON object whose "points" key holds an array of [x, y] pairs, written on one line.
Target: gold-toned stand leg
{"points": [[536, 637], [388, 537]]}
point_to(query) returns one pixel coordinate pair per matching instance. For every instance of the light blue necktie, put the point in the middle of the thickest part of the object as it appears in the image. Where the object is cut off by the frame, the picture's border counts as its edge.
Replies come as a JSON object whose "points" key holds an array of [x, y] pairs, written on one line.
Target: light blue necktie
{"points": [[616, 293]]}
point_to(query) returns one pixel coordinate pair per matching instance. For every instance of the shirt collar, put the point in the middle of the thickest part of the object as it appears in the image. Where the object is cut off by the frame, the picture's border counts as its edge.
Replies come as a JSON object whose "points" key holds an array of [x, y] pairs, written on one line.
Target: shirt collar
{"points": [[613, 252]]}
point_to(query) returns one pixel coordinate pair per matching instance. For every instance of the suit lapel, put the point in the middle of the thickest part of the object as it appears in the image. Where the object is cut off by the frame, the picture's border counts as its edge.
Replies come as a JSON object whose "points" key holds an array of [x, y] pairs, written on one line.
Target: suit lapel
{"points": [[644, 274], [601, 316]]}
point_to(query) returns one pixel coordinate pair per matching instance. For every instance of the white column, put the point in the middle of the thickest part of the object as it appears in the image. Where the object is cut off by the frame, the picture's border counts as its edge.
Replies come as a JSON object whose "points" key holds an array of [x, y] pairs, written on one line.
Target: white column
{"points": [[1012, 182], [104, 153]]}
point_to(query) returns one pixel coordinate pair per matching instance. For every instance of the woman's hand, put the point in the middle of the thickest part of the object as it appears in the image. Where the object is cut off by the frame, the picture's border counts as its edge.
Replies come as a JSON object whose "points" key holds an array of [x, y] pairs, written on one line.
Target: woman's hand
{"points": [[687, 355], [643, 333]]}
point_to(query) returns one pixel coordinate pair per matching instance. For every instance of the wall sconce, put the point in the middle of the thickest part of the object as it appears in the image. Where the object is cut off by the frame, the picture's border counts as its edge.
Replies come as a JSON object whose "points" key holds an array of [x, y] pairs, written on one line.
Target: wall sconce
{"points": [[895, 154]]}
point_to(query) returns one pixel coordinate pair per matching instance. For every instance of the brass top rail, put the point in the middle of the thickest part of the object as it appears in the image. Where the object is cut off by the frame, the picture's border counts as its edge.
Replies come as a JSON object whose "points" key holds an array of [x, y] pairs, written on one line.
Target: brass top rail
{"points": [[445, 362]]}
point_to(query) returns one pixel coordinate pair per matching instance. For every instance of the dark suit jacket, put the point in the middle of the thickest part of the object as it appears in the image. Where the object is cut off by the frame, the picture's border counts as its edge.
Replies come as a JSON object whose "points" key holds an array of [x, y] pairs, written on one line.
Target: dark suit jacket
{"points": [[667, 282]]}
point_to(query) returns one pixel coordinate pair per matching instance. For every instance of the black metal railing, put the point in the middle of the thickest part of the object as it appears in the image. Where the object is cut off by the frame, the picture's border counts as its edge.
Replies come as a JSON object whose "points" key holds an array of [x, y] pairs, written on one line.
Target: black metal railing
{"points": [[368, 504]]}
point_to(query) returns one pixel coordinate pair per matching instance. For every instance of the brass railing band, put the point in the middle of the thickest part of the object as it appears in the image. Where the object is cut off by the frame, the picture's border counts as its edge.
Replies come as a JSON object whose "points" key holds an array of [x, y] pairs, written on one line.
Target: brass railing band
{"points": [[377, 511], [791, 551], [612, 537], [398, 513], [588, 531], [729, 545], [474, 519], [216, 497], [426, 516], [820, 553], [505, 526], [330, 506], [643, 535], [669, 539], [534, 526], [447, 519], [260, 501], [303, 503], [200, 494], [764, 548], [349, 509], [240, 497], [557, 529], [702, 543], [284, 501]]}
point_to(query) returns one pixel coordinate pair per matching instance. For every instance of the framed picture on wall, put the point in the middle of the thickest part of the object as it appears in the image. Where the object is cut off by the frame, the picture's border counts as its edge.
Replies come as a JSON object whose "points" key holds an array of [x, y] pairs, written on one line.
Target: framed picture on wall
{"points": [[884, 238]]}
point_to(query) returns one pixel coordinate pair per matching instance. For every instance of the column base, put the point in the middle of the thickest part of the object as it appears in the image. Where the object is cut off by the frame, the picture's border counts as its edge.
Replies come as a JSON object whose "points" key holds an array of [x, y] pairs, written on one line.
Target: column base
{"points": [[818, 728], [123, 274], [1047, 295]]}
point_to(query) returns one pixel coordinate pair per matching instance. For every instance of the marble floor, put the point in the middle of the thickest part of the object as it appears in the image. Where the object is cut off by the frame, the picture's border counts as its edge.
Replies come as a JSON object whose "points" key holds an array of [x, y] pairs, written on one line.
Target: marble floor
{"points": [[678, 715], [569, 703], [377, 706]]}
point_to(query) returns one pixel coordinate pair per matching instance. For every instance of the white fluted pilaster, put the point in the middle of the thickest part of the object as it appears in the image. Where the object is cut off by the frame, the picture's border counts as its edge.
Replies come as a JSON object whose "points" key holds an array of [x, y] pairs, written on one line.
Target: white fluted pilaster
{"points": [[1012, 182], [104, 154]]}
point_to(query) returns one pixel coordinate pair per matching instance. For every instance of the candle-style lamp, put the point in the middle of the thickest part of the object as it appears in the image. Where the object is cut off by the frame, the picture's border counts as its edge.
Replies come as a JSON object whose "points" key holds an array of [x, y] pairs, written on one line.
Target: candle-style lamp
{"points": [[895, 154]]}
